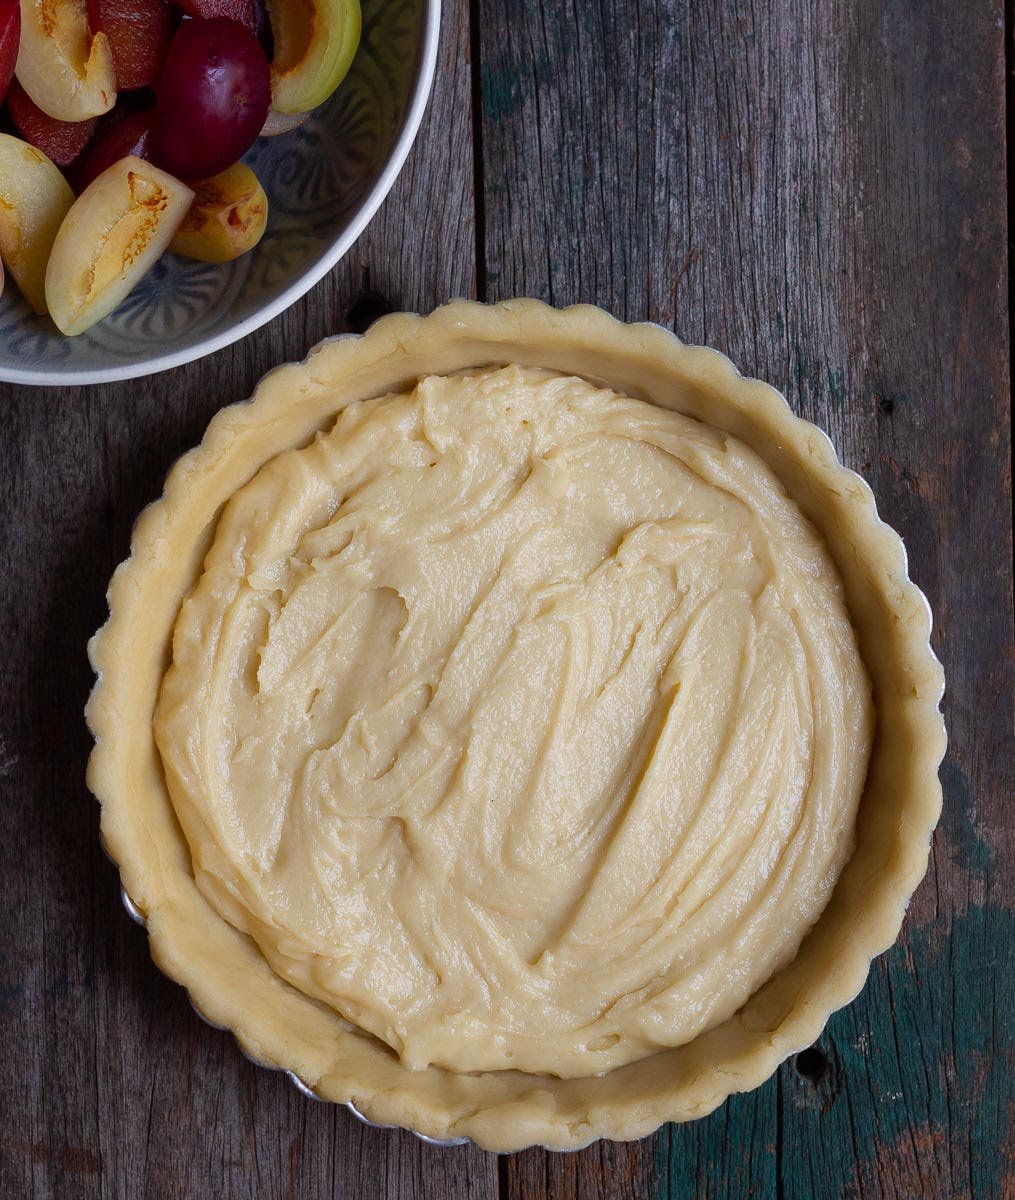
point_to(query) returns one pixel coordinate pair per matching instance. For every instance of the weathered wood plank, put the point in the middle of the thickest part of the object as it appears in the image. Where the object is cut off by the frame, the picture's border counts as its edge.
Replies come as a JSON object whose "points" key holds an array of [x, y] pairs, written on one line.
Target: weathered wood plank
{"points": [[111, 1086], [818, 190]]}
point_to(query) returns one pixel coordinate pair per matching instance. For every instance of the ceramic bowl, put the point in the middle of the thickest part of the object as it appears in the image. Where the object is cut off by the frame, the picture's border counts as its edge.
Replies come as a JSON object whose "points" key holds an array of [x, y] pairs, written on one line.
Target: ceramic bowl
{"points": [[324, 181]]}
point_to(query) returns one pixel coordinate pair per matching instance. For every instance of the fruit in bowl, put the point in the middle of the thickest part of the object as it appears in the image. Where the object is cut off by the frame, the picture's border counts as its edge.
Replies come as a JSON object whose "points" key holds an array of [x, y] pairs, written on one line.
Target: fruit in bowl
{"points": [[64, 66], [314, 47], [34, 199], [214, 96], [226, 219], [139, 32], [148, 106], [10, 37], [113, 233]]}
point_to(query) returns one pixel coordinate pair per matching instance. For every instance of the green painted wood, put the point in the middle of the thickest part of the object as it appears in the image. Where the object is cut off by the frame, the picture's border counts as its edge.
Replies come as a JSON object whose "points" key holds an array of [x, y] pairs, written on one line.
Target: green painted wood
{"points": [[818, 190]]}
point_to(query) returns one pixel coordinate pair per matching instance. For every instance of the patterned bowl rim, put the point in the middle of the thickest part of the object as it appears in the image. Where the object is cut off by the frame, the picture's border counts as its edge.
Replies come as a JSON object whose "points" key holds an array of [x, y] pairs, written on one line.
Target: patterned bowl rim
{"points": [[422, 85]]}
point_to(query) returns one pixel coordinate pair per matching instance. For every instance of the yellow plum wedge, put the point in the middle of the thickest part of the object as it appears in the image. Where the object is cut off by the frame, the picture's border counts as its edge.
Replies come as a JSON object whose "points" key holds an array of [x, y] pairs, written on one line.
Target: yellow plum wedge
{"points": [[34, 199], [315, 42], [62, 66], [115, 232], [227, 218]]}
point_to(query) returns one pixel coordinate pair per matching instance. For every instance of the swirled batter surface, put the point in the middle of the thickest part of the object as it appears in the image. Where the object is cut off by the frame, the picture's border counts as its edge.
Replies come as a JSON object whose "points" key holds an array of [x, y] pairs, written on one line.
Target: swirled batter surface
{"points": [[519, 721]]}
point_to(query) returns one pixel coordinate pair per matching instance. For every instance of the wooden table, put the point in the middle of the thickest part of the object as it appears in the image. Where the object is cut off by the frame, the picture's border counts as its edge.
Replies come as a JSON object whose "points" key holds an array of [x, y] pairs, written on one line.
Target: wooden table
{"points": [[815, 187]]}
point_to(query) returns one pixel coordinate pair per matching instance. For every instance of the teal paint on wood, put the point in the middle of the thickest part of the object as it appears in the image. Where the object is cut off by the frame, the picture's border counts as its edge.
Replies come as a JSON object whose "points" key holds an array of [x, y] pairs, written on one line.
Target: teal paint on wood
{"points": [[817, 187], [913, 1102], [731, 1153], [916, 1096]]}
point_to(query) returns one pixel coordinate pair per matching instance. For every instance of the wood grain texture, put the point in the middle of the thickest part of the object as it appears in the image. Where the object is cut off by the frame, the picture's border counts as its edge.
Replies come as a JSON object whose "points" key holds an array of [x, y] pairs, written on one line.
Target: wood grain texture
{"points": [[111, 1087], [815, 188], [818, 190]]}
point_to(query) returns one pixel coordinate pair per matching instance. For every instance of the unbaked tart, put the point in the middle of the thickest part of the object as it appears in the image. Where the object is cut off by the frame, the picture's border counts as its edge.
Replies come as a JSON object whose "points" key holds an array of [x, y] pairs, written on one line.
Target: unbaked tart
{"points": [[518, 724]]}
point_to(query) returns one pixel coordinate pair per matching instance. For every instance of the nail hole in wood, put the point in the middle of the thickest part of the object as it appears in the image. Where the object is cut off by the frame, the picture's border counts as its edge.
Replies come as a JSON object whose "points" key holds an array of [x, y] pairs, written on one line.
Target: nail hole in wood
{"points": [[812, 1065], [365, 309], [886, 405]]}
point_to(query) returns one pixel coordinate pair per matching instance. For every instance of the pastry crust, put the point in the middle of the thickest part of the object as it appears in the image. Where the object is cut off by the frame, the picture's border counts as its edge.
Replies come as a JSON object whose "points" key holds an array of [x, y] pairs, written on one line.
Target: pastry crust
{"points": [[227, 976]]}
